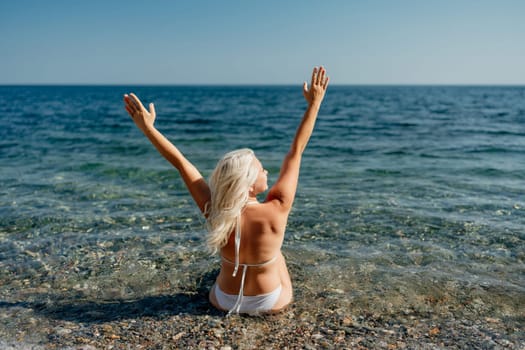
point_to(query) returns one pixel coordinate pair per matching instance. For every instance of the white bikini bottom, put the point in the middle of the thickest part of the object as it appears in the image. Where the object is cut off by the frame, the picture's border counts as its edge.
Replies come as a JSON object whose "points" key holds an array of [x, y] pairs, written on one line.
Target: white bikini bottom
{"points": [[249, 304]]}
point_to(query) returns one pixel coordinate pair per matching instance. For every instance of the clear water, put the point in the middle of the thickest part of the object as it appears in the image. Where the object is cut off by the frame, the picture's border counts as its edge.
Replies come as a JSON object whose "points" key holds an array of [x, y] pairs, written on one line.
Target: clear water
{"points": [[404, 192]]}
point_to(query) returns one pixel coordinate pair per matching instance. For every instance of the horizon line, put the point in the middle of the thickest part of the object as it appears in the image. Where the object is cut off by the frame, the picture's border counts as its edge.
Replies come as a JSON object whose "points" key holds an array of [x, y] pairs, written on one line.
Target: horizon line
{"points": [[261, 84]]}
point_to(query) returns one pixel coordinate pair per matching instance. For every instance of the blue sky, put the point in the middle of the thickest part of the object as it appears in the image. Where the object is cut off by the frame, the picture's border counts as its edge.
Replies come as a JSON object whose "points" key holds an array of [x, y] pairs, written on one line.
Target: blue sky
{"points": [[262, 42]]}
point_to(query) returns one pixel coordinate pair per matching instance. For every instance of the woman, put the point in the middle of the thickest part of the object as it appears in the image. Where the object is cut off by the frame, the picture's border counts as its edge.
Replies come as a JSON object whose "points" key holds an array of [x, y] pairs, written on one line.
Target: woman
{"points": [[248, 234]]}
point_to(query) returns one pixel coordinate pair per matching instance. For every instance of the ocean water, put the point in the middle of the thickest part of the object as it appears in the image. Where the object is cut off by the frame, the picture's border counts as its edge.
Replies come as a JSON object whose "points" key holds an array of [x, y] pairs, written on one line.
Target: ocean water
{"points": [[407, 194]]}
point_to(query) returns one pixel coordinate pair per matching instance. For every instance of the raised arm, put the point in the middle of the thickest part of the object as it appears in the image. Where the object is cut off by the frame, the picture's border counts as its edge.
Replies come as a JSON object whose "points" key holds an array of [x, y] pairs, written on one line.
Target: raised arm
{"points": [[145, 120], [284, 189]]}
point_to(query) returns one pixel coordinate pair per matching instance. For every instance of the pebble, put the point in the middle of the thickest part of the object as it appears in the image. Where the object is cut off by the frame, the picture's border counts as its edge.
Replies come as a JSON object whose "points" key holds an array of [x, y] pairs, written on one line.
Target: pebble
{"points": [[218, 332], [347, 321], [338, 291], [317, 336], [434, 331], [62, 331], [178, 336], [492, 320]]}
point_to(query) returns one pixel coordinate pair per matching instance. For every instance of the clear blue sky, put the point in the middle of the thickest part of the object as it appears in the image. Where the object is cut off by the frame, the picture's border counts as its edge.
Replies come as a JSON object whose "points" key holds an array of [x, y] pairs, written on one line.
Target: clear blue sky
{"points": [[262, 42]]}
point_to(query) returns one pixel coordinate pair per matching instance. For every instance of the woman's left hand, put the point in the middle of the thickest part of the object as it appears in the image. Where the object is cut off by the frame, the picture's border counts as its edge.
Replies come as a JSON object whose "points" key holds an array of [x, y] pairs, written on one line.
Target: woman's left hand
{"points": [[318, 85], [140, 115]]}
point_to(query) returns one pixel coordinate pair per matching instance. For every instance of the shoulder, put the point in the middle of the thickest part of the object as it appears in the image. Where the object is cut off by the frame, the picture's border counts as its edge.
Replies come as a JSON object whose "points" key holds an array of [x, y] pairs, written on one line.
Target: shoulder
{"points": [[274, 206], [270, 215], [279, 200]]}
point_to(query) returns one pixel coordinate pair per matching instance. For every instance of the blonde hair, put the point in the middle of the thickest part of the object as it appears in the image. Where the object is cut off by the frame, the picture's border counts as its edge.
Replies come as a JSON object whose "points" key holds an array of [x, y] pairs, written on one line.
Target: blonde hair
{"points": [[229, 184]]}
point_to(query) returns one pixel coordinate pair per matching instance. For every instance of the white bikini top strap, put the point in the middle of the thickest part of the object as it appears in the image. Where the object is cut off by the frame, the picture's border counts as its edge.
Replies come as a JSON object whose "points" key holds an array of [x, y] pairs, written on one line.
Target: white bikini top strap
{"points": [[236, 308], [251, 265], [238, 239], [237, 245]]}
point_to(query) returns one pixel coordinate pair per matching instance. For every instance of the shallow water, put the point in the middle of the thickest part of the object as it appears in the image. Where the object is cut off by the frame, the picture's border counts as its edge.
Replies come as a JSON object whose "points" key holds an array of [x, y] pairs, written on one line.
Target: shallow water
{"points": [[409, 197]]}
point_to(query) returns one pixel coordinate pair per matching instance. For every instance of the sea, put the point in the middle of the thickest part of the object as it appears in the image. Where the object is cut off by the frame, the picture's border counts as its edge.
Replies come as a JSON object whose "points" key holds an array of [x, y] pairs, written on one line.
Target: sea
{"points": [[410, 197]]}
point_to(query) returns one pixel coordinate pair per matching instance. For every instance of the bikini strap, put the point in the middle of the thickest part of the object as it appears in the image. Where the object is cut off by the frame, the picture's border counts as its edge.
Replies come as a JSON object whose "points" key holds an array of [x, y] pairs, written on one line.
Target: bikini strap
{"points": [[237, 245], [238, 240], [268, 262], [237, 306]]}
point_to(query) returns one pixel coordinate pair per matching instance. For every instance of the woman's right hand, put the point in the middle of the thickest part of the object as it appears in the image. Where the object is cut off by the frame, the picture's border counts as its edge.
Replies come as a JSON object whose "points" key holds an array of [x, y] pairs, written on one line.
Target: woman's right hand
{"points": [[318, 86], [140, 115]]}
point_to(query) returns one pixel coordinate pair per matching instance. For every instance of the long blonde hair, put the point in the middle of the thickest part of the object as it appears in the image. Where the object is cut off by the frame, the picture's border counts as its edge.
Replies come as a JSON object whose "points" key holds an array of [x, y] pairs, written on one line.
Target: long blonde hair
{"points": [[229, 184]]}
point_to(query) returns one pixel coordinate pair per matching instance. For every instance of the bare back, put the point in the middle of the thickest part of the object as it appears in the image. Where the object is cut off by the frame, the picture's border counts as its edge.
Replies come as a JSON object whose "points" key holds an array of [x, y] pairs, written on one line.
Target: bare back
{"points": [[262, 234]]}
